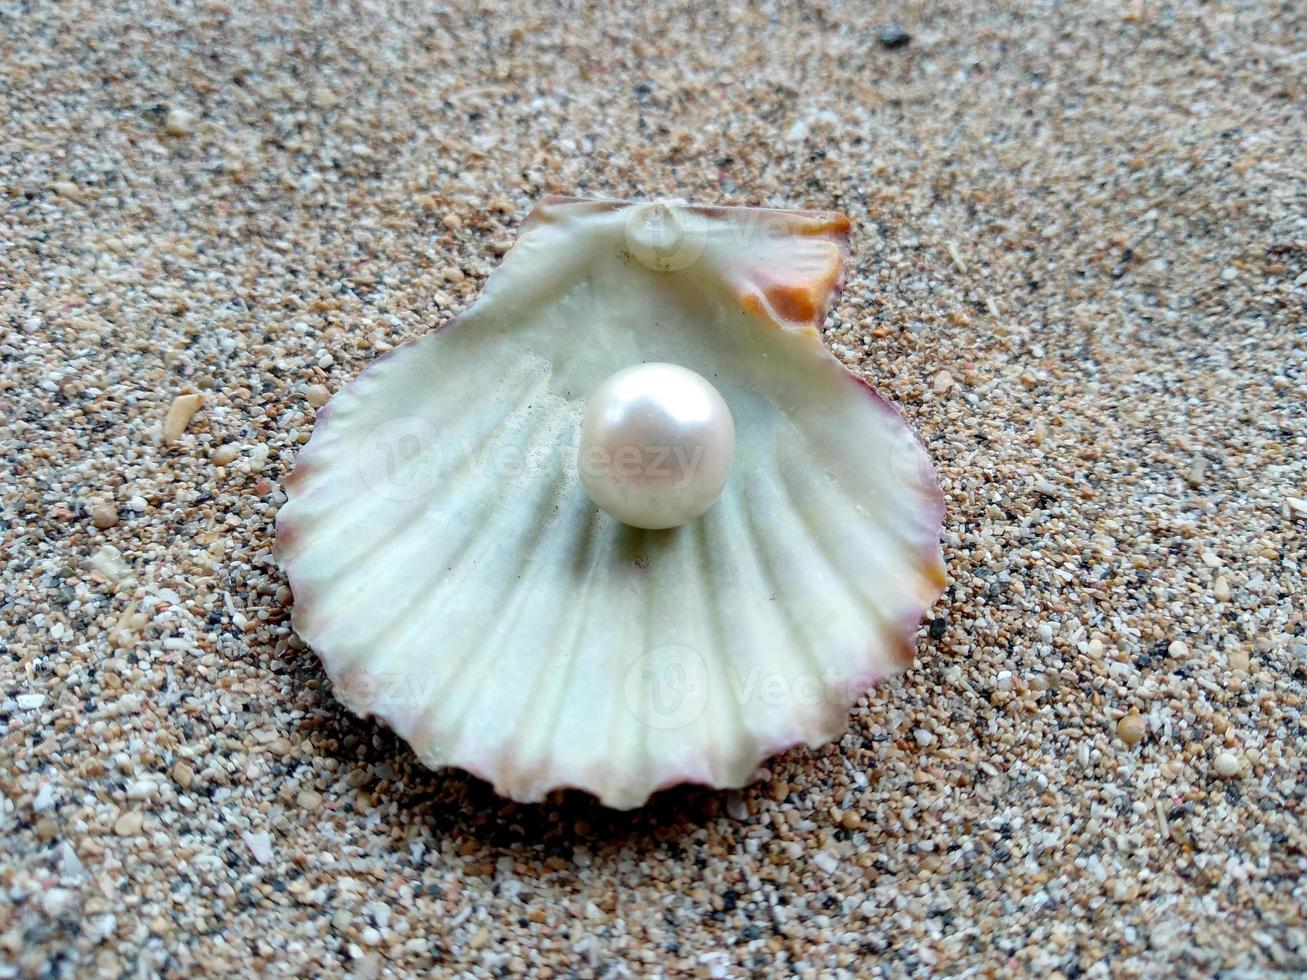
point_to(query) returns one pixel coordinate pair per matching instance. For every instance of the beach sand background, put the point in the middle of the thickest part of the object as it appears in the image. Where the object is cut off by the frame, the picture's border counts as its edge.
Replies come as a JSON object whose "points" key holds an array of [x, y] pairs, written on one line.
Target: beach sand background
{"points": [[1078, 267]]}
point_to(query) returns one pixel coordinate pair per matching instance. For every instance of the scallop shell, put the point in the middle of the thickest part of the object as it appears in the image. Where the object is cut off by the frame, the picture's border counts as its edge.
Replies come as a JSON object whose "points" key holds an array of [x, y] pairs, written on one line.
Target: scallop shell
{"points": [[457, 582]]}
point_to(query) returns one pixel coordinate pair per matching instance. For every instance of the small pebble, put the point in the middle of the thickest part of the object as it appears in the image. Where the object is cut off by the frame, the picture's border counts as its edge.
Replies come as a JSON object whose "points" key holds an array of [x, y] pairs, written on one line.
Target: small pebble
{"points": [[893, 37], [1124, 890], [258, 457], [44, 799], [943, 382], [260, 845], [109, 562], [308, 799], [183, 775], [179, 122], [104, 515], [1221, 589], [225, 455], [1046, 487], [1226, 765], [70, 865], [142, 789], [56, 901], [1131, 728], [318, 395], [129, 824], [736, 806], [826, 861]]}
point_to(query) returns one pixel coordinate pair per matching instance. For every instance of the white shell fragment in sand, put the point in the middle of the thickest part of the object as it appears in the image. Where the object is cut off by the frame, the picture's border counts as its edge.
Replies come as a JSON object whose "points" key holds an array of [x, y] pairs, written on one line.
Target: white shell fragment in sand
{"points": [[460, 584], [180, 413]]}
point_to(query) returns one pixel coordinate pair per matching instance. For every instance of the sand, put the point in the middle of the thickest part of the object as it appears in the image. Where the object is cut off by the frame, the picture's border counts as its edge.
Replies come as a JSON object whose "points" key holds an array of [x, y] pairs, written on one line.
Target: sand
{"points": [[1080, 268]]}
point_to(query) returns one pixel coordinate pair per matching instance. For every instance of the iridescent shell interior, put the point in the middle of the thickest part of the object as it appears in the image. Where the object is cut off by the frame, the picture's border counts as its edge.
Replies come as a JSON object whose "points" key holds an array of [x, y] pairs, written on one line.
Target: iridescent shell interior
{"points": [[457, 582]]}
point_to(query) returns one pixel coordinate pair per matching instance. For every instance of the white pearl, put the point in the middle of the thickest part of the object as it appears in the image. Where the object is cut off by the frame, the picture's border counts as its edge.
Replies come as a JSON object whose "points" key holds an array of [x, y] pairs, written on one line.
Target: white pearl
{"points": [[657, 442]]}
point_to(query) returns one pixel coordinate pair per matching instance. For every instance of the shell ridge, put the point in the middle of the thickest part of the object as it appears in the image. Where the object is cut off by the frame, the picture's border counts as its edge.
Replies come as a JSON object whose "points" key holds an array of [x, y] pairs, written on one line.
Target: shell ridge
{"points": [[438, 580], [930, 480], [539, 434], [685, 593], [333, 513], [711, 613], [515, 595], [618, 708], [807, 648], [782, 510], [640, 747], [822, 547], [756, 588], [888, 533], [849, 584], [906, 531], [822, 716], [551, 693], [552, 251], [356, 562]]}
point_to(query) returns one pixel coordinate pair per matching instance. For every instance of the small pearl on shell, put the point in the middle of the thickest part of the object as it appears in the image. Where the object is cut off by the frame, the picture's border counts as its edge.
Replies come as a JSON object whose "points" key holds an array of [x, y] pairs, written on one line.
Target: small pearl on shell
{"points": [[657, 442]]}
